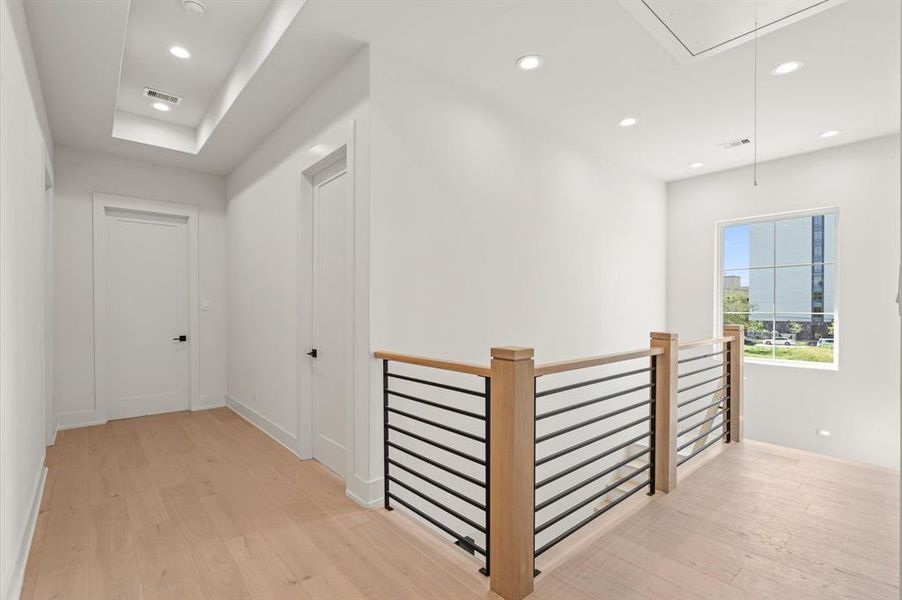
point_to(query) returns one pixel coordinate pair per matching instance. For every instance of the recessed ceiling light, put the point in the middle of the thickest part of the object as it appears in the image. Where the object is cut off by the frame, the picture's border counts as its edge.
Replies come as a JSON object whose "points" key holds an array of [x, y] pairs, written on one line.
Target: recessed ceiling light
{"points": [[179, 52], [317, 149], [529, 62], [790, 66], [628, 122], [160, 106], [830, 133], [194, 7], [696, 165]]}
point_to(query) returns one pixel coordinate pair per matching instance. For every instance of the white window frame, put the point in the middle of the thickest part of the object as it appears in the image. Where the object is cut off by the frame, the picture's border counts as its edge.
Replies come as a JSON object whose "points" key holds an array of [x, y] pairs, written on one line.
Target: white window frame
{"points": [[718, 283]]}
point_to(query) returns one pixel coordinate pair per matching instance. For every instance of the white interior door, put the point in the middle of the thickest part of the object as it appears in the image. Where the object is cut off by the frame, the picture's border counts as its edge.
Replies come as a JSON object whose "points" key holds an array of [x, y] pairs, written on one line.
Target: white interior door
{"points": [[147, 311], [333, 277]]}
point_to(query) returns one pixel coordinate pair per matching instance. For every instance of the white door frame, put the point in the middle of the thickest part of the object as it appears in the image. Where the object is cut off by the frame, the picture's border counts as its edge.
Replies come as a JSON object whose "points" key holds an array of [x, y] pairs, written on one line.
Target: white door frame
{"points": [[309, 213], [363, 420], [141, 206], [306, 426]]}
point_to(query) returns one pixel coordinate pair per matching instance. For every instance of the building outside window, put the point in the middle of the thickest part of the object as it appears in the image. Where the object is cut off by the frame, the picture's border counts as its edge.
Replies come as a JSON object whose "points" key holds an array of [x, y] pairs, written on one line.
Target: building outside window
{"points": [[778, 281]]}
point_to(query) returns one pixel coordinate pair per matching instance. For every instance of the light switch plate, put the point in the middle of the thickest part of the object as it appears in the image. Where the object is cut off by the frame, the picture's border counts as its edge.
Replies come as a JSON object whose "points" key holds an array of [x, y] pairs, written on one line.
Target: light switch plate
{"points": [[205, 304]]}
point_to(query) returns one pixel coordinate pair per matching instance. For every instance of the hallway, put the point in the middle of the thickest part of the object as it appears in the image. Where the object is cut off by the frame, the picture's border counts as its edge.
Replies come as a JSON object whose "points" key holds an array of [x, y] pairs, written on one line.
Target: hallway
{"points": [[204, 505]]}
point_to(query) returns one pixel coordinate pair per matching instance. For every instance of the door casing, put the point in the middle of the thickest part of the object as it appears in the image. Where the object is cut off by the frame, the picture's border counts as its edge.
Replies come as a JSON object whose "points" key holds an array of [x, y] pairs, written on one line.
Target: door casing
{"points": [[110, 202], [325, 172]]}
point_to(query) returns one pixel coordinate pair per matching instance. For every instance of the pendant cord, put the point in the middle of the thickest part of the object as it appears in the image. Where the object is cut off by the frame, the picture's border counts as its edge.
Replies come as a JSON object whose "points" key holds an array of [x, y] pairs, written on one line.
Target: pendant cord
{"points": [[755, 127]]}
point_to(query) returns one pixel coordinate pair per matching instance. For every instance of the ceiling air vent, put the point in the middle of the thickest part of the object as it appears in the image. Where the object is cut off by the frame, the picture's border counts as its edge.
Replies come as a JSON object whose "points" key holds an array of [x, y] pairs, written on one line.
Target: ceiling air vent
{"points": [[158, 95], [734, 144]]}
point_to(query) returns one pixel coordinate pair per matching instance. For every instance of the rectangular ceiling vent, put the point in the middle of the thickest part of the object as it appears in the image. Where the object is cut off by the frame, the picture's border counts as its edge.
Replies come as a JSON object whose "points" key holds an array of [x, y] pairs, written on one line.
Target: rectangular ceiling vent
{"points": [[734, 144], [158, 95]]}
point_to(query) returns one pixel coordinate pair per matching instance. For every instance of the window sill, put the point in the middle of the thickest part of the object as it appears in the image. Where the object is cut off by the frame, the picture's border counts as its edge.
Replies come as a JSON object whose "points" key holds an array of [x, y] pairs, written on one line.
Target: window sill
{"points": [[793, 364]]}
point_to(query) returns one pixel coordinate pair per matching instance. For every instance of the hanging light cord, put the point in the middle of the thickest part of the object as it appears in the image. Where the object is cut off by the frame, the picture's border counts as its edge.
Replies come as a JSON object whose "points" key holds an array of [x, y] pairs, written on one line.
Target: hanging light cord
{"points": [[755, 127]]}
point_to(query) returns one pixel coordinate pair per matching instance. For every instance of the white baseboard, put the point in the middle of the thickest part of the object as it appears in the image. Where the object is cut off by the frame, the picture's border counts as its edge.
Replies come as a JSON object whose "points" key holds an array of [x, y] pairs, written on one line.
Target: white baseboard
{"points": [[87, 418], [18, 574], [83, 418], [367, 494], [56, 430], [210, 401], [263, 424]]}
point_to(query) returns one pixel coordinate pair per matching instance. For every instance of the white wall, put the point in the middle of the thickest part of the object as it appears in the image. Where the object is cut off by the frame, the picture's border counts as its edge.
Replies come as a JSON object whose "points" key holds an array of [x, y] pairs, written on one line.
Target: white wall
{"points": [[23, 153], [269, 267], [483, 233], [489, 231], [80, 173], [859, 403]]}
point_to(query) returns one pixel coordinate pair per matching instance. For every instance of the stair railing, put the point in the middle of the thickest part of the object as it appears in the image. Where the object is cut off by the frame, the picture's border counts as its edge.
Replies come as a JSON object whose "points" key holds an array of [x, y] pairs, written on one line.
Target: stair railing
{"points": [[595, 437], [709, 379], [470, 463], [436, 434]]}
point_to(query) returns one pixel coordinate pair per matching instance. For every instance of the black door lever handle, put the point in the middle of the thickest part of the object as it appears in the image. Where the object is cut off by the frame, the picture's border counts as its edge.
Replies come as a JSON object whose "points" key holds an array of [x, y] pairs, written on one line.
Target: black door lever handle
{"points": [[181, 338], [312, 353]]}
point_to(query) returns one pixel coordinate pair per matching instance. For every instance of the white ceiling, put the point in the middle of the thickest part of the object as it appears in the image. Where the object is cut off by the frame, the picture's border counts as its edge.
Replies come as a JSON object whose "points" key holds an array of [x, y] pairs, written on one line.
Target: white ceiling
{"points": [[215, 41], [705, 26], [79, 48], [600, 65]]}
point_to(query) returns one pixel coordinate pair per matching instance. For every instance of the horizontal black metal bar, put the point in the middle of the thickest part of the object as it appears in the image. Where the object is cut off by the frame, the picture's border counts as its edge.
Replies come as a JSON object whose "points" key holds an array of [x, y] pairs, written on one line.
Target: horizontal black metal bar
{"points": [[436, 503], [700, 396], [591, 421], [588, 480], [444, 386], [700, 450], [438, 405], [435, 522], [589, 461], [582, 503], [699, 357], [702, 409], [700, 383], [589, 519], [439, 485], [442, 426], [597, 438], [708, 420], [435, 444], [719, 365], [559, 411], [573, 386], [702, 435], [438, 465]]}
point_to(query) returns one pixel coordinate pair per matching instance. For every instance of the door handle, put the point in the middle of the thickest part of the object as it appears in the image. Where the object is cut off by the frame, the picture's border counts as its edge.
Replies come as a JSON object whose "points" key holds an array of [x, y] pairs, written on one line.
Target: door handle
{"points": [[312, 353], [181, 338]]}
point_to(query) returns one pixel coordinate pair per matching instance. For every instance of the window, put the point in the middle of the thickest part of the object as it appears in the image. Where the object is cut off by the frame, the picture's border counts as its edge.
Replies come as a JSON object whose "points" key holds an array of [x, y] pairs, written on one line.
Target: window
{"points": [[779, 280]]}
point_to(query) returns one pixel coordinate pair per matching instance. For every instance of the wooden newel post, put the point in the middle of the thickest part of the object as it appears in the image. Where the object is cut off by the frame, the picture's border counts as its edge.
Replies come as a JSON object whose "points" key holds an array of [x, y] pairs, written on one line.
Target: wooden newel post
{"points": [[512, 472], [666, 410], [737, 349]]}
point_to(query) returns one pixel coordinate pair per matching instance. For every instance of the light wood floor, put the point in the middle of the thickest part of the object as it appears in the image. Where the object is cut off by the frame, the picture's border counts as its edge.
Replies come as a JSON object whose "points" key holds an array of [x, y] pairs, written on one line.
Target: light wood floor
{"points": [[756, 521], [203, 505]]}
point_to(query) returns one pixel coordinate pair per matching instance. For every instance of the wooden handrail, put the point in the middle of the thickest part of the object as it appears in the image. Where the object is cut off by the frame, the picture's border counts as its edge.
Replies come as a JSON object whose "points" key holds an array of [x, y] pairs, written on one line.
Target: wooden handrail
{"points": [[594, 361], [707, 342], [435, 363]]}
